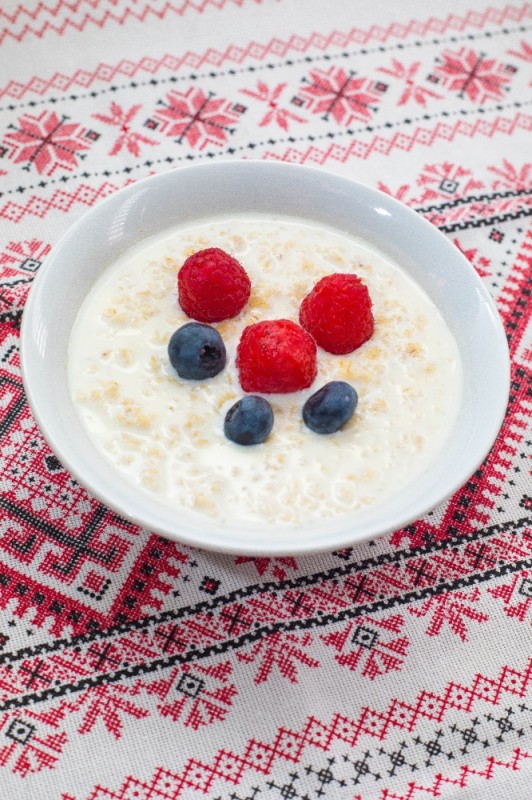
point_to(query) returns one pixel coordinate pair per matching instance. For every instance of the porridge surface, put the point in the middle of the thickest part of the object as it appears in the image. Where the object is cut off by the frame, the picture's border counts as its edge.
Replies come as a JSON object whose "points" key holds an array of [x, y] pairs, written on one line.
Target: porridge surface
{"points": [[165, 434]]}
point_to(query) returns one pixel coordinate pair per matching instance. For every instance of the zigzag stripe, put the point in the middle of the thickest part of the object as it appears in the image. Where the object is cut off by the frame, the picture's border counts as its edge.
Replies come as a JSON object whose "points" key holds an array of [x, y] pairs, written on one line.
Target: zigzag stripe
{"points": [[403, 141], [475, 18], [38, 206], [460, 781], [254, 50], [75, 6], [53, 11], [289, 745], [163, 780], [108, 16]]}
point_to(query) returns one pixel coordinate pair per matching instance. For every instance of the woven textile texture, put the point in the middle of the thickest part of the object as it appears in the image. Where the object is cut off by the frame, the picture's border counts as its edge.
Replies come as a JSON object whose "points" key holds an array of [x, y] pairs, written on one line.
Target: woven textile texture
{"points": [[133, 667]]}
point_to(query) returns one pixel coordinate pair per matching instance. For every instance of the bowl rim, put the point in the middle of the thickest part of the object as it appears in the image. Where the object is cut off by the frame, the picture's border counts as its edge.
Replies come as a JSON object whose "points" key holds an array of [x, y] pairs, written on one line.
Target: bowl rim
{"points": [[351, 531]]}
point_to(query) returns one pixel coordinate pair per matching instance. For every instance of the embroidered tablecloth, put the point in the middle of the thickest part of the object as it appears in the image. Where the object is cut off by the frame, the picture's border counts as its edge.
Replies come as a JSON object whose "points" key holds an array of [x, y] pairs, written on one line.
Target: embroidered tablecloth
{"points": [[133, 667]]}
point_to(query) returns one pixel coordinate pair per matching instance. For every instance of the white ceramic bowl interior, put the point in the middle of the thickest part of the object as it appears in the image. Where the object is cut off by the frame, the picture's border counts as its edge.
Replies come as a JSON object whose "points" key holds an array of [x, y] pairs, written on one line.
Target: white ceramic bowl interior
{"points": [[221, 188]]}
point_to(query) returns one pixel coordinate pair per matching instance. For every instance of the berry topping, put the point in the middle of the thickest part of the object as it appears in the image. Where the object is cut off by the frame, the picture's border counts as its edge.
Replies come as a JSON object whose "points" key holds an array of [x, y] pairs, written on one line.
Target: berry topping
{"points": [[276, 356], [330, 407], [212, 286], [337, 313], [196, 351], [249, 421]]}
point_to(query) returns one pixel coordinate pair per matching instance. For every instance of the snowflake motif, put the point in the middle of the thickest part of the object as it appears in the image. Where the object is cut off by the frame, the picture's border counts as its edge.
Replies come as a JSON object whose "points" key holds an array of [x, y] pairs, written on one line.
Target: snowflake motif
{"points": [[197, 118], [274, 114], [281, 650], [446, 181], [18, 264], [516, 595], [25, 748], [451, 609], [48, 142], [510, 177], [372, 646], [412, 91], [195, 695], [340, 95], [128, 139], [278, 566], [472, 75], [480, 262]]}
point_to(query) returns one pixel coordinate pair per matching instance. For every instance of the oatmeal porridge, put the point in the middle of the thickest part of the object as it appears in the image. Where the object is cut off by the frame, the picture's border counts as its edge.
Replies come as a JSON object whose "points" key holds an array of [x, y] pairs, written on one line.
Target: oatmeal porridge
{"points": [[165, 434]]}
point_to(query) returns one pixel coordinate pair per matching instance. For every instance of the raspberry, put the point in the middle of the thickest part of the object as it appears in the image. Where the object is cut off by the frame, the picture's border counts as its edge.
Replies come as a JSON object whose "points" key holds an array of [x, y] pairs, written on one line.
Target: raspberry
{"points": [[276, 356], [337, 313], [212, 286]]}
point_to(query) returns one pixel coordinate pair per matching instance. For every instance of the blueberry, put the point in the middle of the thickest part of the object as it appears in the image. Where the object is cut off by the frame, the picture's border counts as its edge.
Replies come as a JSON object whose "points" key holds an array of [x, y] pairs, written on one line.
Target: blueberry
{"points": [[330, 407], [196, 351], [249, 421]]}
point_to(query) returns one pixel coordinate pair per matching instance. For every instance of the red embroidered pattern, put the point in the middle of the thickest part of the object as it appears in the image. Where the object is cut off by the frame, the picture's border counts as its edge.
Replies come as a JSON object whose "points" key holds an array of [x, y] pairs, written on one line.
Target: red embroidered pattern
{"points": [[79, 18], [48, 142], [60, 200], [197, 117], [282, 651], [277, 568], [127, 139], [370, 645], [491, 767], [357, 148], [477, 20], [271, 97], [450, 611], [18, 264], [412, 91], [510, 176], [106, 630], [515, 595], [27, 751], [204, 694], [473, 75], [290, 745], [525, 53], [341, 96]]}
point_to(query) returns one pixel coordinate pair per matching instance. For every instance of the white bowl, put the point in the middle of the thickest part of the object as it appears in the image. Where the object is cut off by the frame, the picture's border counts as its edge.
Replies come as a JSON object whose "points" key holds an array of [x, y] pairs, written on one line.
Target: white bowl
{"points": [[185, 195]]}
